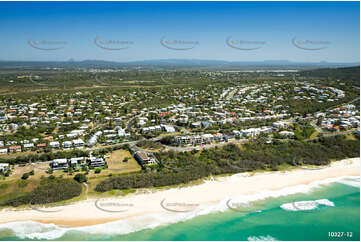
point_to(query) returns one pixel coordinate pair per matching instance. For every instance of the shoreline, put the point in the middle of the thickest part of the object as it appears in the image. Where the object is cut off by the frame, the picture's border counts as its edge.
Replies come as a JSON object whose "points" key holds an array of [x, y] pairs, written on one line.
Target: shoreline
{"points": [[184, 202]]}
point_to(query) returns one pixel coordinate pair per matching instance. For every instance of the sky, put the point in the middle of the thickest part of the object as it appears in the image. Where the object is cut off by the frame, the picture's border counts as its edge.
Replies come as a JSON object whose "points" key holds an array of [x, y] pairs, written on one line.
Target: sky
{"points": [[130, 31]]}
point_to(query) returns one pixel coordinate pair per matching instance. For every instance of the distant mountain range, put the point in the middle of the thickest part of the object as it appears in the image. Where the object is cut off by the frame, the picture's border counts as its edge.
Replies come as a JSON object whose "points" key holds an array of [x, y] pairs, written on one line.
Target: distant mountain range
{"points": [[171, 63]]}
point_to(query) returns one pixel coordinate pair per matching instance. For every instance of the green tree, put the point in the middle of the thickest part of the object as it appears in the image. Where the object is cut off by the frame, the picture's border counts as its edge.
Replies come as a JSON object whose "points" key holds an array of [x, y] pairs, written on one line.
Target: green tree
{"points": [[80, 178]]}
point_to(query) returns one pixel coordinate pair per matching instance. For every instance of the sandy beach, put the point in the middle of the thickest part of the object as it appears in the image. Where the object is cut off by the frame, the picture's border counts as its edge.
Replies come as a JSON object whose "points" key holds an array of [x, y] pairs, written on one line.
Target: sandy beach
{"points": [[178, 201]]}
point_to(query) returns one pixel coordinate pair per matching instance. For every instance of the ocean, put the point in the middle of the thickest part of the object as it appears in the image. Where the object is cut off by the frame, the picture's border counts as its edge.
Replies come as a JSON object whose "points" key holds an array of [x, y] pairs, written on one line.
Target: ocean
{"points": [[327, 210]]}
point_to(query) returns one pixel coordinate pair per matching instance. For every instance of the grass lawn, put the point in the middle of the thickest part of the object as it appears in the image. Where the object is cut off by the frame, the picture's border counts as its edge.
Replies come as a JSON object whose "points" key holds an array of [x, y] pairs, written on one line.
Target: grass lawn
{"points": [[350, 137], [314, 135], [115, 161]]}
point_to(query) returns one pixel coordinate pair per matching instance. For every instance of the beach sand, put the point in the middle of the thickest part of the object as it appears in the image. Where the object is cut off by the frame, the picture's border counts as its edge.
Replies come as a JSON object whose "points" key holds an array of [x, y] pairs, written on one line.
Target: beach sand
{"points": [[168, 202]]}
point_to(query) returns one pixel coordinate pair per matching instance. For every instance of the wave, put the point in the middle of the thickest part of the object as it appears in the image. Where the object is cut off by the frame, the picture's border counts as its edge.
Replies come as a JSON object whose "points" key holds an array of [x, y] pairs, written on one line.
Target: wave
{"points": [[261, 238], [351, 182], [265, 194], [307, 205], [35, 230]]}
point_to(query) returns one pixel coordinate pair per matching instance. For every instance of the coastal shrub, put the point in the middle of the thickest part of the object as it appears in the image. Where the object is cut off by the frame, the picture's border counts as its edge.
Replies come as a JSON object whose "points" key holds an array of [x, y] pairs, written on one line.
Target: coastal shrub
{"points": [[183, 167], [4, 186], [25, 176], [80, 178], [50, 192]]}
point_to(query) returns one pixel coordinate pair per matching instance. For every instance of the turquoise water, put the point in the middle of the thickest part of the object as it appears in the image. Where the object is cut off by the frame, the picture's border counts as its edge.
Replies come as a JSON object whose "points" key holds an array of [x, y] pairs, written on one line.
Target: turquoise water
{"points": [[270, 219]]}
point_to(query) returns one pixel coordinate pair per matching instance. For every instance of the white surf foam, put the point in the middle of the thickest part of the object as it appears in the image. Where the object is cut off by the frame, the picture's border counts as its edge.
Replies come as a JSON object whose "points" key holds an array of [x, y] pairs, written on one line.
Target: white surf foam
{"points": [[261, 238], [351, 182], [34, 230], [307, 205]]}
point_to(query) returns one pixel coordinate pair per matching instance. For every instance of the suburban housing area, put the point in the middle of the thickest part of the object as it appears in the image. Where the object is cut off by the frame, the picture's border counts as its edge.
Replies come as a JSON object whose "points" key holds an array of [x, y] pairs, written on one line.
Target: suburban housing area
{"points": [[228, 122]]}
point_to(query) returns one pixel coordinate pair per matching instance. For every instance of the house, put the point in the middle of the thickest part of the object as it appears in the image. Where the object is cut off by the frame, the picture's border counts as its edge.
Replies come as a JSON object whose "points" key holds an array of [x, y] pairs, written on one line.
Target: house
{"points": [[143, 158], [15, 148], [54, 144], [96, 162], [4, 167], [28, 146], [110, 136], [93, 140], [3, 151], [35, 140], [145, 130], [67, 144], [183, 139], [229, 137], [197, 139], [207, 138], [41, 146], [206, 124], [59, 164], [236, 133], [281, 124], [78, 143], [183, 118], [286, 134], [122, 133], [168, 128], [76, 161], [251, 132], [72, 135], [142, 121]]}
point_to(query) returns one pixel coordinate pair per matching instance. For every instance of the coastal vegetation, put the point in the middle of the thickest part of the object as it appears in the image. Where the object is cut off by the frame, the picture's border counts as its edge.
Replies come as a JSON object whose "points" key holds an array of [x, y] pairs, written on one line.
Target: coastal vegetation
{"points": [[183, 167], [49, 191]]}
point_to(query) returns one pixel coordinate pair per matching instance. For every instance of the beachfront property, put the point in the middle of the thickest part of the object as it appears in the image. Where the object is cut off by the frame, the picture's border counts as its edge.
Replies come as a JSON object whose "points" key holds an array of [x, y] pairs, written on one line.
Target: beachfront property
{"points": [[4, 167], [144, 158], [77, 162], [4, 151], [96, 162], [59, 164]]}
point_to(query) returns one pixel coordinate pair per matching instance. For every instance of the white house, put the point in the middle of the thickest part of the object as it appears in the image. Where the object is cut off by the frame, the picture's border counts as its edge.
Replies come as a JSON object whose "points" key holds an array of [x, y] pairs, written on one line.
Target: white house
{"points": [[78, 143], [4, 167], [3, 151], [67, 144], [54, 144], [58, 164]]}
